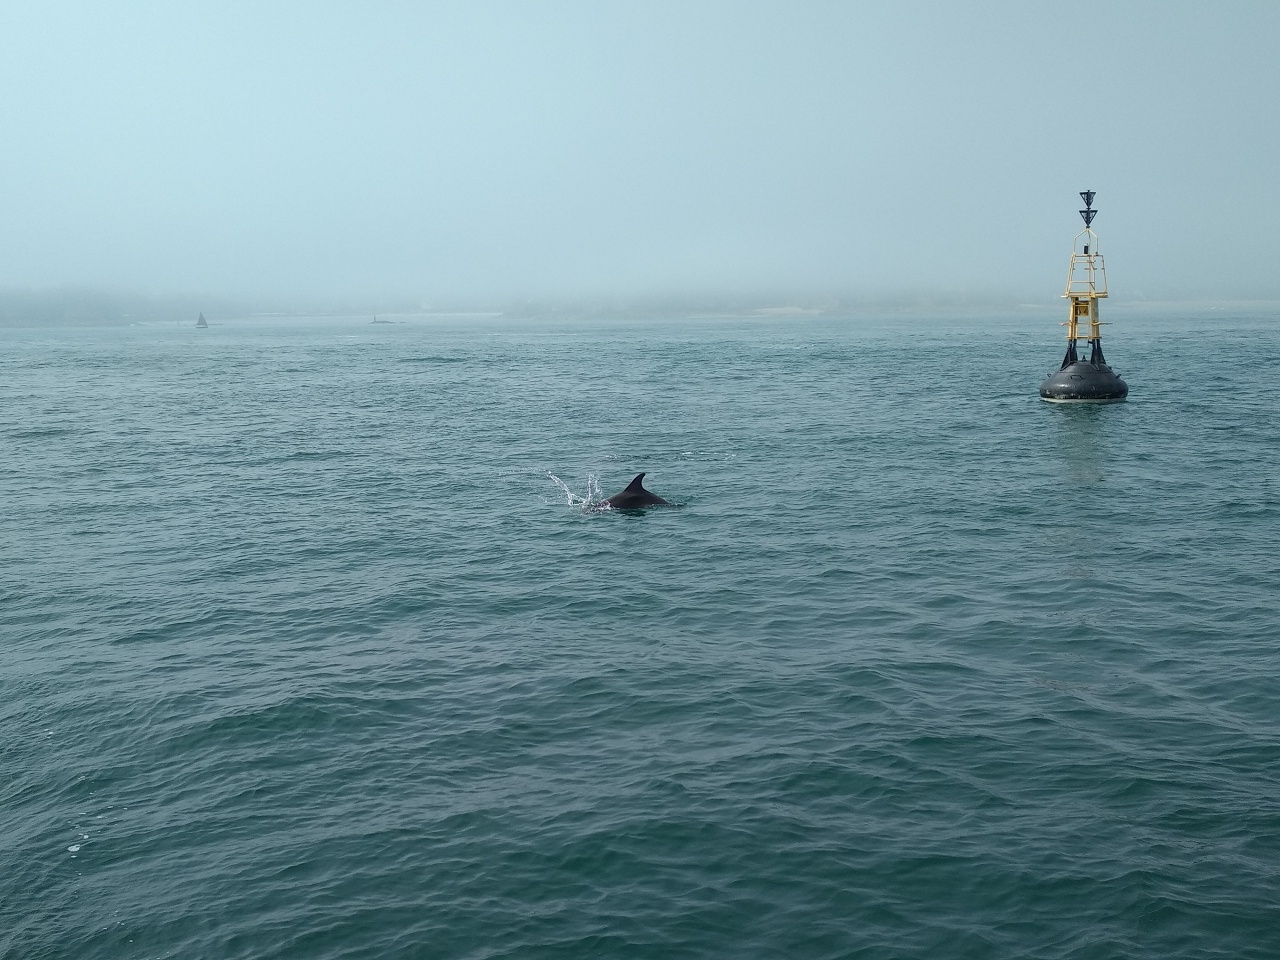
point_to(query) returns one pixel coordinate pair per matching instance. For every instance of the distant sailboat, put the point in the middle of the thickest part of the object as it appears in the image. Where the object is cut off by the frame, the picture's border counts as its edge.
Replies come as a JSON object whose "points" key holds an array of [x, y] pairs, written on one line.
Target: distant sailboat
{"points": [[202, 323]]}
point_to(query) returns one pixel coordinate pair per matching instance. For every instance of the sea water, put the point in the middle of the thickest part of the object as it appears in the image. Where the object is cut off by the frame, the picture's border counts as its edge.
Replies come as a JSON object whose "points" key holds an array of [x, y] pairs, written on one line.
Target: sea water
{"points": [[306, 653]]}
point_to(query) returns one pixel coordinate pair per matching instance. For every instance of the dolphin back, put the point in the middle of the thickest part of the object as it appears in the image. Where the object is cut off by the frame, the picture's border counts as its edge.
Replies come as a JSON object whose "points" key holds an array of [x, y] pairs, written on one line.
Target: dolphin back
{"points": [[635, 496]]}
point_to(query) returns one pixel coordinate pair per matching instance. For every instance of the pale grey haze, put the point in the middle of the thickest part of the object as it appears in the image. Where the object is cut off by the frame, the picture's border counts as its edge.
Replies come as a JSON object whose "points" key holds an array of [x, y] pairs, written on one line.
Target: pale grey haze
{"points": [[476, 151]]}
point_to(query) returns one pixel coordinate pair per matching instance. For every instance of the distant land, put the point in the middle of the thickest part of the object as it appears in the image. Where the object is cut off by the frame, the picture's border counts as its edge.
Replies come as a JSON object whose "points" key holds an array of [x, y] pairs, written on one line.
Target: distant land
{"points": [[76, 306]]}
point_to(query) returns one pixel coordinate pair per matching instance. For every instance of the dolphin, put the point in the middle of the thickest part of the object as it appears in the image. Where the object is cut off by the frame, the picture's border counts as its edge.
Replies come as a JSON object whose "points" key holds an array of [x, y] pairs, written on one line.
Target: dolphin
{"points": [[635, 497]]}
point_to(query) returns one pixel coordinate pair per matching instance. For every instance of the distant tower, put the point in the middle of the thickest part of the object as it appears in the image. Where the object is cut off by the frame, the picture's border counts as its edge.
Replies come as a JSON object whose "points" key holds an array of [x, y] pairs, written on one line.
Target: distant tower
{"points": [[1090, 380]]}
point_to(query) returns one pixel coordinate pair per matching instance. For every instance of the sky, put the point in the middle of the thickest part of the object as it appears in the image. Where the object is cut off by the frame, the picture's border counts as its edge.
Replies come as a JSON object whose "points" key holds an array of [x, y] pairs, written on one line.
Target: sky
{"points": [[789, 151]]}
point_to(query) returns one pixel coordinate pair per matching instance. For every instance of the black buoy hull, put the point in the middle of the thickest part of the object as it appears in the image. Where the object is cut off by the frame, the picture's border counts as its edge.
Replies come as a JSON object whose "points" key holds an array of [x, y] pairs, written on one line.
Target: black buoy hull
{"points": [[1084, 382]]}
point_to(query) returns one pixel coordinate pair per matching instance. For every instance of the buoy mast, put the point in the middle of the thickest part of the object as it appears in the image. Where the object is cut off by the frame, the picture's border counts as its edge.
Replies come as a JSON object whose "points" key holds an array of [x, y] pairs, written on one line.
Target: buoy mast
{"points": [[1086, 285]]}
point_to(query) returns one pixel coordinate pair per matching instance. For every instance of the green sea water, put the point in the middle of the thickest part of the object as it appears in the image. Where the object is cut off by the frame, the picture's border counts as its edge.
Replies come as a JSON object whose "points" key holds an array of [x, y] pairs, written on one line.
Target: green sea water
{"points": [[306, 652]]}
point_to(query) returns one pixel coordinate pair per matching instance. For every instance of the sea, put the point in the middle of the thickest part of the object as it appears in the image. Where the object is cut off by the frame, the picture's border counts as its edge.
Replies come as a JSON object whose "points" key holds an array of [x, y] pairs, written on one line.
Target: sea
{"points": [[317, 641]]}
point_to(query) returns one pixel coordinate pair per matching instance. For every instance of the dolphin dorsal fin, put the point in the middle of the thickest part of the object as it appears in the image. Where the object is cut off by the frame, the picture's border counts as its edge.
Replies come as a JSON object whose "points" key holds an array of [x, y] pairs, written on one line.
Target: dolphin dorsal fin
{"points": [[635, 485]]}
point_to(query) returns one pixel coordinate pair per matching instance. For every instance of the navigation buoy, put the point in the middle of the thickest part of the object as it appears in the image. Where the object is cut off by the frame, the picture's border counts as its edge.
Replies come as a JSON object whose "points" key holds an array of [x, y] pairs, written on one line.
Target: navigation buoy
{"points": [[1085, 381]]}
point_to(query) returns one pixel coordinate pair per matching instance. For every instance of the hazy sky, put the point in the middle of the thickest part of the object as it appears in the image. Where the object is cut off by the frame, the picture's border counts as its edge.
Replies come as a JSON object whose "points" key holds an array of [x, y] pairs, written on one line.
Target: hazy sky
{"points": [[548, 149]]}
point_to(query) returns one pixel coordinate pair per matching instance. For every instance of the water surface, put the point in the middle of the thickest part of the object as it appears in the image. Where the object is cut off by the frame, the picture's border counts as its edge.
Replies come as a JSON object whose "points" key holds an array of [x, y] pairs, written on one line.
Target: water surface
{"points": [[306, 655]]}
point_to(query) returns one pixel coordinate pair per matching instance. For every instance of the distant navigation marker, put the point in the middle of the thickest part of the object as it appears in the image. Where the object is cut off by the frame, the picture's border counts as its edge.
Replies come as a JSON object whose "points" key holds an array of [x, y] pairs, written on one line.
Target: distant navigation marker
{"points": [[1081, 380]]}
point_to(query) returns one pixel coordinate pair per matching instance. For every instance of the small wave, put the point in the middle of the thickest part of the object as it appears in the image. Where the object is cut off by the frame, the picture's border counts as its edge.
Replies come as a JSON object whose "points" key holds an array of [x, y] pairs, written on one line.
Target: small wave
{"points": [[41, 434], [317, 455]]}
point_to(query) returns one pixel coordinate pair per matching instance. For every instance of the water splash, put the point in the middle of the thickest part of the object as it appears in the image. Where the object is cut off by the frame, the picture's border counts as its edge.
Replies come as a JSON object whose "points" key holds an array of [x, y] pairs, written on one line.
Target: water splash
{"points": [[594, 499]]}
